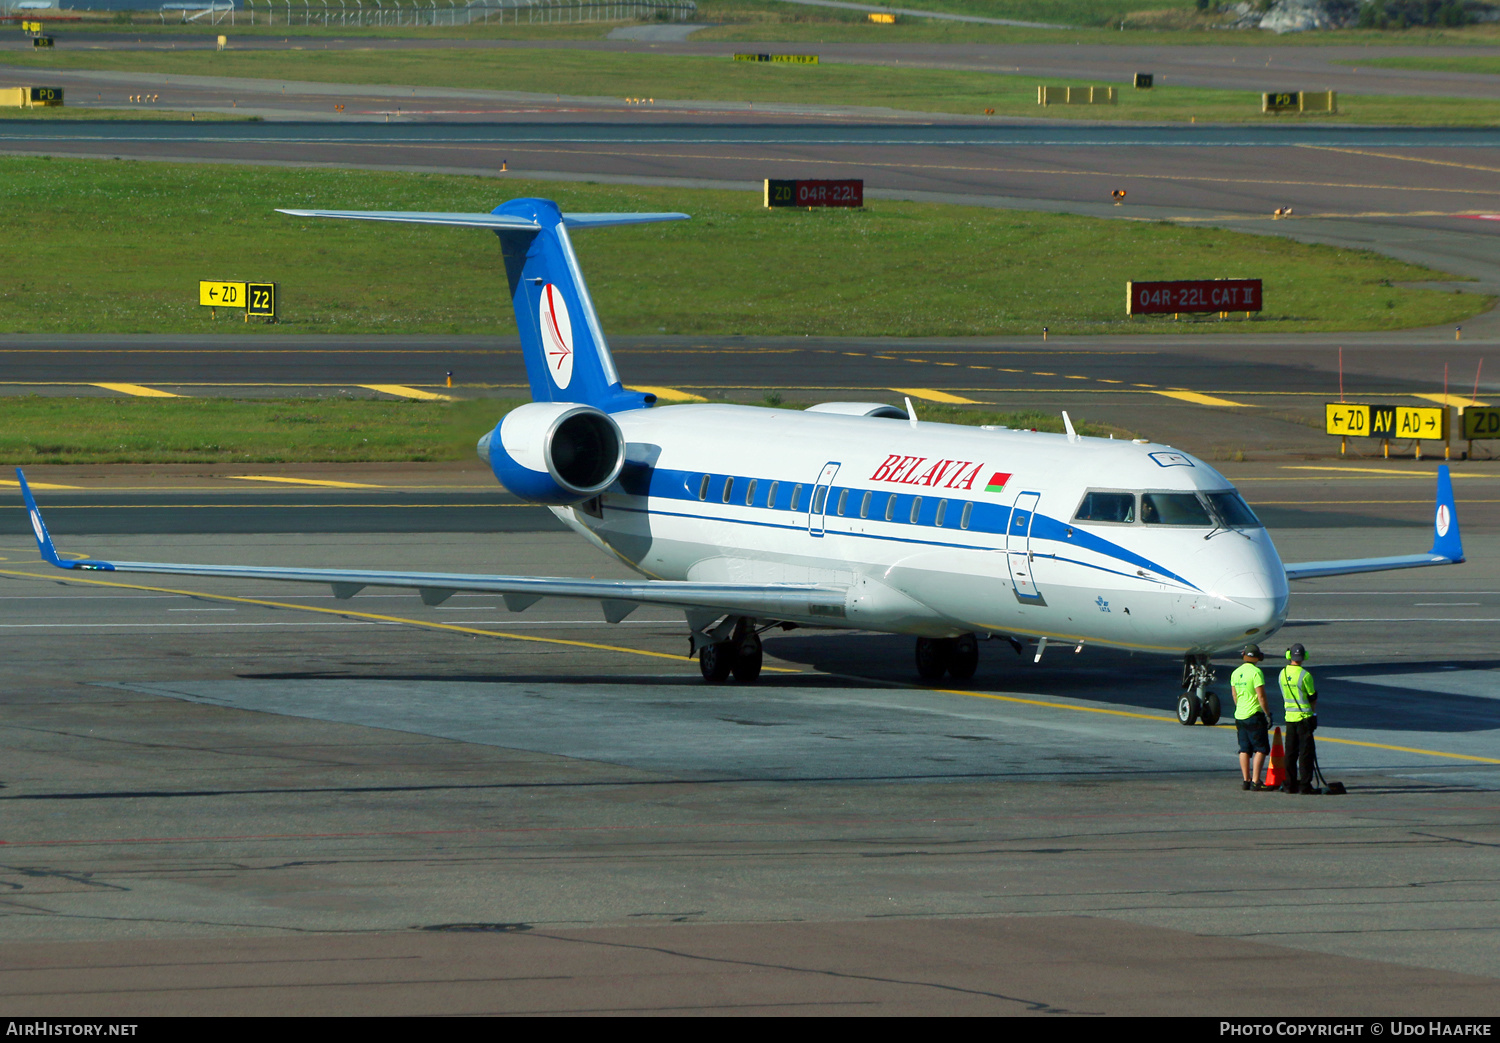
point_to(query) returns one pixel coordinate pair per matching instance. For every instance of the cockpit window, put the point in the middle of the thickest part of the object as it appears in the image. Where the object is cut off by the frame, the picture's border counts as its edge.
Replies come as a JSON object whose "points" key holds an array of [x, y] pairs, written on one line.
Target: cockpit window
{"points": [[1174, 509], [1233, 511], [1107, 507]]}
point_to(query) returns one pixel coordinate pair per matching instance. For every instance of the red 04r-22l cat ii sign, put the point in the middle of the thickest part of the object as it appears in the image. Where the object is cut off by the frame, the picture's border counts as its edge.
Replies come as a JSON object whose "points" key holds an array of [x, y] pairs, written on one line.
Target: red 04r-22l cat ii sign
{"points": [[1192, 295]]}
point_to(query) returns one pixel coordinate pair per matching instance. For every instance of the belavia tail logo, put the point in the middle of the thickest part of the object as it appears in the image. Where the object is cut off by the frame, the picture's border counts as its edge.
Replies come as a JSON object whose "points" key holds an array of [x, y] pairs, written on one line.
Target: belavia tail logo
{"points": [[557, 336]]}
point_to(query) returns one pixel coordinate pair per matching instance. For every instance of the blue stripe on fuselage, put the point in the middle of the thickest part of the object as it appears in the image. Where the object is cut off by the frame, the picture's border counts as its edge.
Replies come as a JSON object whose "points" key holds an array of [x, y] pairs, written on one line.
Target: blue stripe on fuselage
{"points": [[669, 484]]}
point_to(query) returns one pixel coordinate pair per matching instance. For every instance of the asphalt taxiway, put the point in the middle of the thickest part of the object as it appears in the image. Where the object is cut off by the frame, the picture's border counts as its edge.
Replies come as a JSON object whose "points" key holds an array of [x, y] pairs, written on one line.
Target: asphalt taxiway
{"points": [[233, 797]]}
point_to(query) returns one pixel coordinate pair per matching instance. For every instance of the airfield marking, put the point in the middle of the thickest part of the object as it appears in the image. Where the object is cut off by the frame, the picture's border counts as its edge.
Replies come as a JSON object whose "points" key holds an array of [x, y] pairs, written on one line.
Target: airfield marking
{"points": [[1386, 472], [1173, 720], [38, 485], [669, 394], [1412, 749], [808, 161], [328, 484], [402, 391], [456, 628], [1405, 159], [932, 395], [373, 617], [1195, 397], [137, 390], [1451, 400]]}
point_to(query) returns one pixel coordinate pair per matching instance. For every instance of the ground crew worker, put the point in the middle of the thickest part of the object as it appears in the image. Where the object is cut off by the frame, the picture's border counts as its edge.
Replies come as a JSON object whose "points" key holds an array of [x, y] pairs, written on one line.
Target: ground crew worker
{"points": [[1301, 698], [1252, 717]]}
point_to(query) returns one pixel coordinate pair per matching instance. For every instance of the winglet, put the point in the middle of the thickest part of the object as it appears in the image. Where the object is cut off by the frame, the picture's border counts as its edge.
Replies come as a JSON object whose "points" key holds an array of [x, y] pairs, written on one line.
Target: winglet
{"points": [[43, 539], [1445, 539]]}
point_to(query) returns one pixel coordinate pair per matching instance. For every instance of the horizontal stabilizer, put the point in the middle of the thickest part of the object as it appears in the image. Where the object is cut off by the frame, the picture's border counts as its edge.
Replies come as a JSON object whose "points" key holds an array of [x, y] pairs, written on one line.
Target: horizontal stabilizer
{"points": [[610, 220], [497, 222]]}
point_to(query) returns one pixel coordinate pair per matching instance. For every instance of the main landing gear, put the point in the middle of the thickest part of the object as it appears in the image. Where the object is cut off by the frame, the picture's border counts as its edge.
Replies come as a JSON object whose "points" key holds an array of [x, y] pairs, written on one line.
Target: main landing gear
{"points": [[958, 657], [740, 655], [1197, 703]]}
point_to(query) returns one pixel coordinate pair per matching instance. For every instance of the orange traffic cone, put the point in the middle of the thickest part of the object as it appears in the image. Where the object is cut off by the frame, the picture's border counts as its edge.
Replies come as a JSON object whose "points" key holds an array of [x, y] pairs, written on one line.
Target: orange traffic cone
{"points": [[1276, 773]]}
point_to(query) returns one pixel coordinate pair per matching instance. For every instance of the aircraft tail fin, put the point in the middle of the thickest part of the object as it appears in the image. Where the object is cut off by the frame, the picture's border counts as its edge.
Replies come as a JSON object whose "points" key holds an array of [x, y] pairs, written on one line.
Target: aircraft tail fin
{"points": [[567, 357], [1446, 540]]}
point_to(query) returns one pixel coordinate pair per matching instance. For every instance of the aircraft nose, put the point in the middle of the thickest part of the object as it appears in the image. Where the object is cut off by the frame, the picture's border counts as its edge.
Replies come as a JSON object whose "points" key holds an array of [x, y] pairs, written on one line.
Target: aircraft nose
{"points": [[1259, 598]]}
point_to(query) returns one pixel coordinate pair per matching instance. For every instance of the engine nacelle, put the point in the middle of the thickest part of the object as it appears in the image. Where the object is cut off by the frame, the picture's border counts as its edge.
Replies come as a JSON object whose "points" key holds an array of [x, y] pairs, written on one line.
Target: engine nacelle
{"points": [[871, 409], [555, 452]]}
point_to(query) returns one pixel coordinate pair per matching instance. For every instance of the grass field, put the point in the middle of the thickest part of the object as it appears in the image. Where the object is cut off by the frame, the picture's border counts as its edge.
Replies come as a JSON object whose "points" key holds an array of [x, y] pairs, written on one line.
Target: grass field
{"points": [[1488, 64], [119, 246], [1094, 21], [325, 430], [68, 112], [676, 78]]}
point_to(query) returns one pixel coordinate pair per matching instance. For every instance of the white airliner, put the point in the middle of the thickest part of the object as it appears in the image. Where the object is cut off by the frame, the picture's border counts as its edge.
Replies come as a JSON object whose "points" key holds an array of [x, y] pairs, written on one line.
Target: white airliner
{"points": [[849, 514]]}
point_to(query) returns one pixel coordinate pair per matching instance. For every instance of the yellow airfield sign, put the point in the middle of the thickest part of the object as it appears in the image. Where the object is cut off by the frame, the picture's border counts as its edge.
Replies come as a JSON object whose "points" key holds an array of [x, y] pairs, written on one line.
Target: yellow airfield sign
{"points": [[1351, 420], [221, 294]]}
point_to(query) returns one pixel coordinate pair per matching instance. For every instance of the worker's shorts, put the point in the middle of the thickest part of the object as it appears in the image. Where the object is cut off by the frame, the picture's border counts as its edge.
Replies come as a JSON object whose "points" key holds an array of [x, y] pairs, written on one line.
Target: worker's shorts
{"points": [[1252, 734]]}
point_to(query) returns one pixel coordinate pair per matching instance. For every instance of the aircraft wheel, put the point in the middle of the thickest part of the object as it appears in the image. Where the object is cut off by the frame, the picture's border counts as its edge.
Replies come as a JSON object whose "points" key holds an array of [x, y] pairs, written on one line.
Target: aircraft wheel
{"points": [[716, 661], [964, 658], [1187, 708], [1209, 715], [747, 660], [932, 657]]}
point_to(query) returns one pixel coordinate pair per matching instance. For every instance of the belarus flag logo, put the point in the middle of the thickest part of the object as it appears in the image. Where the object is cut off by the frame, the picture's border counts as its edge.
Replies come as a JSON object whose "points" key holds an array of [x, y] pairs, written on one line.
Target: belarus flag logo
{"points": [[997, 483]]}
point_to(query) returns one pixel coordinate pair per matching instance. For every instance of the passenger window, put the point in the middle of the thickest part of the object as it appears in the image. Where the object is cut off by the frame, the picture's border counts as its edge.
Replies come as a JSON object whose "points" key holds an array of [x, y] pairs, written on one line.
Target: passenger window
{"points": [[890, 506], [843, 501], [942, 510], [771, 496], [1174, 509], [703, 488], [796, 496], [750, 493], [864, 506], [963, 521], [728, 488], [916, 508], [820, 497], [1118, 508]]}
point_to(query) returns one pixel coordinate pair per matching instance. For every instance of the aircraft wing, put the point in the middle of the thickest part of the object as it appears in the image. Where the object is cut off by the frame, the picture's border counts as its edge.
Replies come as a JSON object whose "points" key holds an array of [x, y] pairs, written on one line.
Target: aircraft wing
{"points": [[618, 597], [1447, 545]]}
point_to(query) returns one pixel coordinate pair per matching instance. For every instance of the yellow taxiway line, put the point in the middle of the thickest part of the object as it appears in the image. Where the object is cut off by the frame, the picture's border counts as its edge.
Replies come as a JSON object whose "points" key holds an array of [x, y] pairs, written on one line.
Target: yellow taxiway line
{"points": [[477, 632], [402, 391], [136, 390], [325, 484], [933, 395], [667, 394], [38, 485], [1197, 398]]}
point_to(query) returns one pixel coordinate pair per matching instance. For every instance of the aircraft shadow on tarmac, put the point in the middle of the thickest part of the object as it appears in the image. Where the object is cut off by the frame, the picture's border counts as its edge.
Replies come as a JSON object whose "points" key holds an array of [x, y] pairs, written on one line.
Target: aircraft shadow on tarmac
{"points": [[1433, 697]]}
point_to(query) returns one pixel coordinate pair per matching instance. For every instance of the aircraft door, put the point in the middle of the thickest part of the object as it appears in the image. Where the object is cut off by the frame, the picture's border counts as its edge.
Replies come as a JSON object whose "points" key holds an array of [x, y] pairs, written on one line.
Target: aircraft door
{"points": [[1018, 548], [817, 505]]}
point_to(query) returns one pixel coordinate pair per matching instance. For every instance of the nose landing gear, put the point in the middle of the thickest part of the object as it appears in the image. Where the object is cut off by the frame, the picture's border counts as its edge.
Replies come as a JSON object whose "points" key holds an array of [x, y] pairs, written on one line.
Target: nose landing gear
{"points": [[1197, 703]]}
